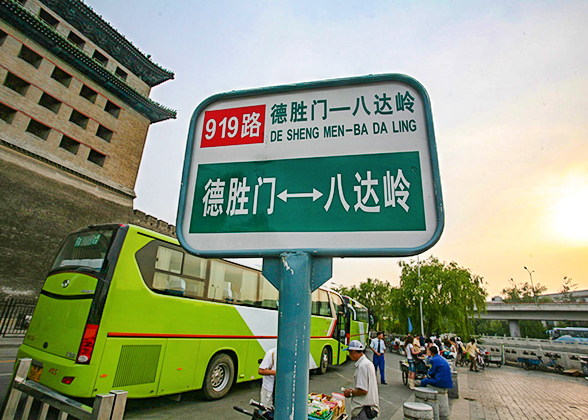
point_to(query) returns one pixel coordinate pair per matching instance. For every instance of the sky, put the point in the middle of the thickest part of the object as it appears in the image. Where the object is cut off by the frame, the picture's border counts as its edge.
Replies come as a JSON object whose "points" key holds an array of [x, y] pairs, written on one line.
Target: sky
{"points": [[508, 83]]}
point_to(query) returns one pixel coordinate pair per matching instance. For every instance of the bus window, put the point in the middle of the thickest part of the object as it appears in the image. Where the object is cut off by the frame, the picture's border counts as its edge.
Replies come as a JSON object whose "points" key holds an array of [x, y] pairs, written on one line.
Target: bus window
{"points": [[268, 295], [232, 283], [249, 286], [338, 302], [240, 285], [216, 287], [86, 249], [362, 314], [169, 260], [320, 303], [161, 269], [194, 266]]}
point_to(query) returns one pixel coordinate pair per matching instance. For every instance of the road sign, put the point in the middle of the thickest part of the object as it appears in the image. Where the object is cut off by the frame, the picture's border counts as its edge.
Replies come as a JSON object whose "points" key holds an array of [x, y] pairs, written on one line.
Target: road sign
{"points": [[343, 167]]}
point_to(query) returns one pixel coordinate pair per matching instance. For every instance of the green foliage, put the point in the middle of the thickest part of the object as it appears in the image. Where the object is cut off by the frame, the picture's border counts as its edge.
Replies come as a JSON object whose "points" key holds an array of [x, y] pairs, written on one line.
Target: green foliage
{"points": [[451, 295], [567, 288], [376, 296], [491, 327], [532, 329], [523, 292]]}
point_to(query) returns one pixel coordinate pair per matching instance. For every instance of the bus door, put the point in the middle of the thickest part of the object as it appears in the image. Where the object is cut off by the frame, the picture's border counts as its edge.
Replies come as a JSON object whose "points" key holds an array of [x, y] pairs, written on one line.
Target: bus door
{"points": [[341, 326]]}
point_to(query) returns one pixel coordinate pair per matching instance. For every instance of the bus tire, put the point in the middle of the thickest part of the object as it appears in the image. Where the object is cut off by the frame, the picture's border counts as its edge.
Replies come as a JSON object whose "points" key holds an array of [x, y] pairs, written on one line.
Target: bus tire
{"points": [[219, 377], [324, 362]]}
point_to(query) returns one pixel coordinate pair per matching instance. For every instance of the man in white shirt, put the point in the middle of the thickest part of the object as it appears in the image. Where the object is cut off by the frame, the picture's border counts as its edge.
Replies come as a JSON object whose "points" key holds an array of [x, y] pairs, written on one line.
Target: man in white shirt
{"points": [[365, 400], [267, 369], [379, 348]]}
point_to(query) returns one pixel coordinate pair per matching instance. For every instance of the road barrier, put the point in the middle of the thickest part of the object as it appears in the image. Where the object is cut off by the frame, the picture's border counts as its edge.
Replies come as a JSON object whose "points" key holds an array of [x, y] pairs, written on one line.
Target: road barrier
{"points": [[23, 393], [15, 316], [567, 354]]}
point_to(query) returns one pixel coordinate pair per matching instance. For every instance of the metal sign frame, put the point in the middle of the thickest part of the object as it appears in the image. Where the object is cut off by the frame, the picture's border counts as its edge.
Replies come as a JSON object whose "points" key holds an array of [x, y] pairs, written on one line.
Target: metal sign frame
{"points": [[319, 251]]}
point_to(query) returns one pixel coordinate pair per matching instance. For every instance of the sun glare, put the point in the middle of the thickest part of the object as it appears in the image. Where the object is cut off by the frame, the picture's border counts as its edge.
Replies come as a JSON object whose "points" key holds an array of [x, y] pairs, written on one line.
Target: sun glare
{"points": [[570, 212]]}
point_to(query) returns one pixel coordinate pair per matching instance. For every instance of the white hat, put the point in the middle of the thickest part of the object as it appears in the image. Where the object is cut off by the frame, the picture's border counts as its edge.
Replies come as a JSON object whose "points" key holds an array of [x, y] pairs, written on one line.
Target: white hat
{"points": [[355, 345]]}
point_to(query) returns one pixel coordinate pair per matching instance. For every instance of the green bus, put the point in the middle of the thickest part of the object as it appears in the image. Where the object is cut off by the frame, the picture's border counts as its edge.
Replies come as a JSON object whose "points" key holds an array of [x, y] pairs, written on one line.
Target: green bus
{"points": [[124, 307], [357, 320]]}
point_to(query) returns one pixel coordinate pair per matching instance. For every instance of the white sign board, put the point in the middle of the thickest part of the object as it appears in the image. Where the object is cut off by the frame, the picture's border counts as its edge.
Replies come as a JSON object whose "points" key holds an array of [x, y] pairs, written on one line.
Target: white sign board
{"points": [[335, 168]]}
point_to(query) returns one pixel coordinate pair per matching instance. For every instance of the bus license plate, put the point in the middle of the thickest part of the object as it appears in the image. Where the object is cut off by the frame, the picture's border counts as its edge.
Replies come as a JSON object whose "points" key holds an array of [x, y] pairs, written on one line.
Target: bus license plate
{"points": [[35, 373]]}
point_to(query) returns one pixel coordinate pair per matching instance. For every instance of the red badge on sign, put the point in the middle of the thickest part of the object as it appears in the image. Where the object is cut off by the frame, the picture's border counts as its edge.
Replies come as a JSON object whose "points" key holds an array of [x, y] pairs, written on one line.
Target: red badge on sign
{"points": [[230, 127]]}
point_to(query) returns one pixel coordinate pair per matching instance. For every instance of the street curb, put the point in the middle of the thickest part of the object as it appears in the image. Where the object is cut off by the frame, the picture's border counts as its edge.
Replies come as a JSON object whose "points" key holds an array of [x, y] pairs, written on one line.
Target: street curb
{"points": [[11, 343], [9, 346]]}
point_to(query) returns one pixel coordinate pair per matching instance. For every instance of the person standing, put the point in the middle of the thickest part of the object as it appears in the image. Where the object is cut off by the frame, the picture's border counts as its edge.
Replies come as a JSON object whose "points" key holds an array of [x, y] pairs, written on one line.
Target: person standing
{"points": [[365, 400], [411, 355], [267, 369], [472, 351], [379, 348]]}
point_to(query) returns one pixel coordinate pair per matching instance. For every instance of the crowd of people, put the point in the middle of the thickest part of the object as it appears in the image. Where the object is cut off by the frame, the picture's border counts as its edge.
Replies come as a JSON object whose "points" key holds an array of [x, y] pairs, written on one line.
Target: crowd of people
{"points": [[427, 351]]}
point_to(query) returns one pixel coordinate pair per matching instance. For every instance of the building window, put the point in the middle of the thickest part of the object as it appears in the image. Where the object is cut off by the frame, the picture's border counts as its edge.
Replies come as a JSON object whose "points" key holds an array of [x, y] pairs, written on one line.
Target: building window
{"points": [[30, 56], [3, 36], [104, 133], [112, 109], [50, 102], [6, 113], [61, 76], [100, 58], [48, 18], [16, 84], [69, 144], [38, 129], [88, 93], [78, 119], [96, 157], [121, 73], [76, 40]]}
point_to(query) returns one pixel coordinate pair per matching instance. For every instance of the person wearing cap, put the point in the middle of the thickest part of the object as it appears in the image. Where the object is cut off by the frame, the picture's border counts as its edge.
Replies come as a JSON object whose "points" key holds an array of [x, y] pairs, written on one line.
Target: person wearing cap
{"points": [[365, 400], [378, 347]]}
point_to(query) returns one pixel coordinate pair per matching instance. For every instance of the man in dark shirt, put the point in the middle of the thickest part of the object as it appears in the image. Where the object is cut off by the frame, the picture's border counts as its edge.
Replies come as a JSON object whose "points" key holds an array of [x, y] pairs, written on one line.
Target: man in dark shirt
{"points": [[440, 373]]}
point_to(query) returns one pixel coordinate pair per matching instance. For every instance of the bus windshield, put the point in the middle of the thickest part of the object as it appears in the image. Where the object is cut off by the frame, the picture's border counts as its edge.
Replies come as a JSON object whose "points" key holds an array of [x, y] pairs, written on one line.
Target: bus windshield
{"points": [[86, 249]]}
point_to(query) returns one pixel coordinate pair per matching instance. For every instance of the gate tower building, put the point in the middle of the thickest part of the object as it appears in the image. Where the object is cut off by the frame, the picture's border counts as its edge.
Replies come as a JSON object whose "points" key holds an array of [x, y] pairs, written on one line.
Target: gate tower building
{"points": [[74, 116]]}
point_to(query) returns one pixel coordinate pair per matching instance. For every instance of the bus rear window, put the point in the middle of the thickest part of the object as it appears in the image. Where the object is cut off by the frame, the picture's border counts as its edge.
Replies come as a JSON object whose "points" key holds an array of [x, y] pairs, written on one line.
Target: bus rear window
{"points": [[84, 250]]}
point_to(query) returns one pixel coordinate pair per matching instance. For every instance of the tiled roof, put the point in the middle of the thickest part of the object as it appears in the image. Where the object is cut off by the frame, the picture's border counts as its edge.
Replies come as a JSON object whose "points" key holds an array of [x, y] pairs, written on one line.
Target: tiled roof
{"points": [[92, 25], [36, 29]]}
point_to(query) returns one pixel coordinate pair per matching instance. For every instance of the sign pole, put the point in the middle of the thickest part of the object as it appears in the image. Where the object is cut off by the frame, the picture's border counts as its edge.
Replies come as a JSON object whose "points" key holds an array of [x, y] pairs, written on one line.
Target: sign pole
{"points": [[295, 275]]}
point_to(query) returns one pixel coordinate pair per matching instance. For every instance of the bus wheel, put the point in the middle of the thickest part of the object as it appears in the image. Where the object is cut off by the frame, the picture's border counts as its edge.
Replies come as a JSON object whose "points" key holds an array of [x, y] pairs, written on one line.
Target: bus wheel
{"points": [[219, 377], [324, 362]]}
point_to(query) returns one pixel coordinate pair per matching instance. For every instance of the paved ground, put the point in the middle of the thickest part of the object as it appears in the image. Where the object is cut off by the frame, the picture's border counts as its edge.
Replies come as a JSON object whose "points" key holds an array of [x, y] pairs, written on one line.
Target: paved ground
{"points": [[494, 394], [512, 393]]}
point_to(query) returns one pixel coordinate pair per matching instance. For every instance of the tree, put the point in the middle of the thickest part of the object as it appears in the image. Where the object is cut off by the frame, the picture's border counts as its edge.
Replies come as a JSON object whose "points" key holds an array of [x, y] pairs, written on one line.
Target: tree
{"points": [[567, 289], [376, 296], [451, 295], [523, 293]]}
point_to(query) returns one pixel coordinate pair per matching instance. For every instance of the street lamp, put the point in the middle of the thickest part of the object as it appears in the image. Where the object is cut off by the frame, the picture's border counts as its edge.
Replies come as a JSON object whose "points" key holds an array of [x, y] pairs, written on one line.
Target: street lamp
{"points": [[532, 287]]}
